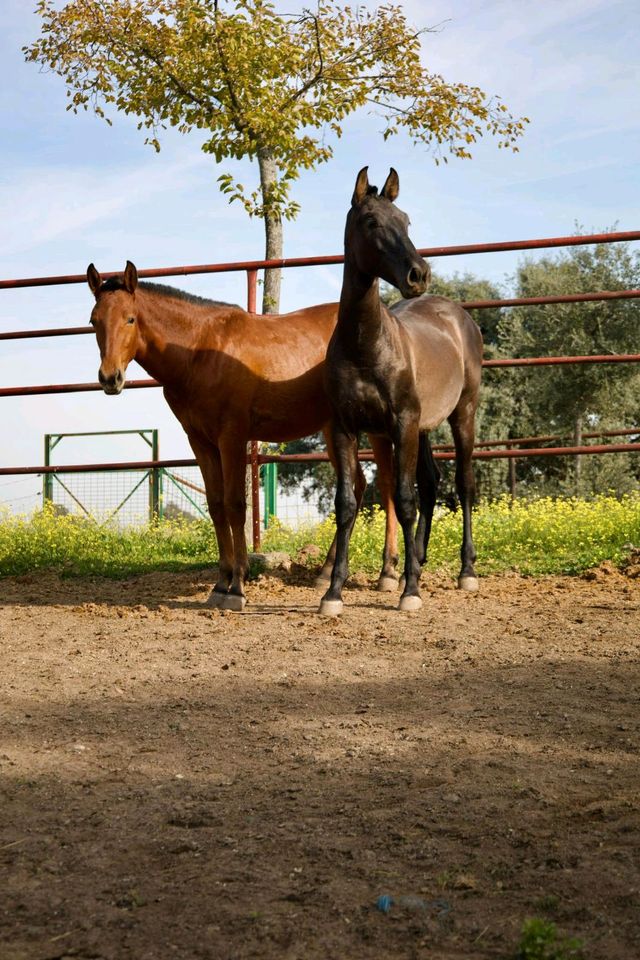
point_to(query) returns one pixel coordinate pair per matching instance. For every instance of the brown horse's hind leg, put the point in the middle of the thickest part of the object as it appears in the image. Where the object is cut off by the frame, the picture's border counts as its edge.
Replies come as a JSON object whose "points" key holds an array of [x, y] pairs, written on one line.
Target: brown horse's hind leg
{"points": [[462, 422], [208, 458], [360, 485], [383, 452]]}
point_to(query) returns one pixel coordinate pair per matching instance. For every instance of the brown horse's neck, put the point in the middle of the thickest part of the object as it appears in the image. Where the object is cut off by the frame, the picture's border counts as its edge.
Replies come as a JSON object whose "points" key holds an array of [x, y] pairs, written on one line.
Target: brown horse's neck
{"points": [[170, 330], [359, 311]]}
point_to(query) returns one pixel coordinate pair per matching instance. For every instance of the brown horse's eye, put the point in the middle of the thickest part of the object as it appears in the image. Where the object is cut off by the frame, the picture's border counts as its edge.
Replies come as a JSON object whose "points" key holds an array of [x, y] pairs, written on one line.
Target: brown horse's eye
{"points": [[131, 320]]}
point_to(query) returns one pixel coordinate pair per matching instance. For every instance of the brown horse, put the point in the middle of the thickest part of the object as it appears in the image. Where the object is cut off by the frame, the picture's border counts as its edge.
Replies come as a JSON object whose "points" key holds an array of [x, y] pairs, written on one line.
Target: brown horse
{"points": [[229, 377], [398, 374]]}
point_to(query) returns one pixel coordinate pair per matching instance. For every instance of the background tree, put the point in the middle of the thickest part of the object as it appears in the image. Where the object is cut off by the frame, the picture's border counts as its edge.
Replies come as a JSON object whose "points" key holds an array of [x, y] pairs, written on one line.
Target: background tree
{"points": [[571, 400], [261, 85]]}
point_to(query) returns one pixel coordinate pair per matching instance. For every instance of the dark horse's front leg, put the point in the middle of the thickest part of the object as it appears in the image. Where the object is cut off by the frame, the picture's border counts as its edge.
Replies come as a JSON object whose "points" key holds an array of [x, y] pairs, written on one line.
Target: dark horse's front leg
{"points": [[346, 450], [406, 441], [360, 485]]}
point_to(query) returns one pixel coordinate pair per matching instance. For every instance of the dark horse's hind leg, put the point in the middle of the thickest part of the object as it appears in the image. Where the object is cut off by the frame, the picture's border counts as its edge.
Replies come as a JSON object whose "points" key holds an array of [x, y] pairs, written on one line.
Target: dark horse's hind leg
{"points": [[383, 452], [462, 422], [428, 476]]}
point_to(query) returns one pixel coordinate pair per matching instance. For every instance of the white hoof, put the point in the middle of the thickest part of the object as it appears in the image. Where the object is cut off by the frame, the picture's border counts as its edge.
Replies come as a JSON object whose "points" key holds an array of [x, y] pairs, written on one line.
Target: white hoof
{"points": [[470, 584], [387, 584], [409, 604], [216, 599], [234, 601], [321, 583], [331, 608]]}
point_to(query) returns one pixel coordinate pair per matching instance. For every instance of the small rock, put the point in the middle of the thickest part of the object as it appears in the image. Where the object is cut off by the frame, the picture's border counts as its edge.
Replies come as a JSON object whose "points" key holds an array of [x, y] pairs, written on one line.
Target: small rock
{"points": [[276, 560]]}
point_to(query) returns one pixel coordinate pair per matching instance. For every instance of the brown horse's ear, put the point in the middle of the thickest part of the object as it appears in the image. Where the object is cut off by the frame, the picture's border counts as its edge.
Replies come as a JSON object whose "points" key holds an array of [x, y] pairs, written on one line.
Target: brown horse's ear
{"points": [[130, 279], [94, 280], [391, 187], [362, 187]]}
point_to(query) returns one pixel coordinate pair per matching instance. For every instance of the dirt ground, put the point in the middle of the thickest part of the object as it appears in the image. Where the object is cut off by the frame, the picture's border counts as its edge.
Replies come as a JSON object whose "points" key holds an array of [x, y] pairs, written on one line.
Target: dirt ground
{"points": [[181, 782]]}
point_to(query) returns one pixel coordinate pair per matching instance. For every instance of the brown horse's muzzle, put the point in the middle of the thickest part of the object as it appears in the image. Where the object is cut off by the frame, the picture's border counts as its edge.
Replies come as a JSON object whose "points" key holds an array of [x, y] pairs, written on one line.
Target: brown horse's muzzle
{"points": [[113, 384]]}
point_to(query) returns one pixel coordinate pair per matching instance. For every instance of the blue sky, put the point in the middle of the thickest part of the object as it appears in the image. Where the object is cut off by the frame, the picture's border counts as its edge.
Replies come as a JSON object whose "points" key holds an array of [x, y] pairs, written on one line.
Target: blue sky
{"points": [[73, 190]]}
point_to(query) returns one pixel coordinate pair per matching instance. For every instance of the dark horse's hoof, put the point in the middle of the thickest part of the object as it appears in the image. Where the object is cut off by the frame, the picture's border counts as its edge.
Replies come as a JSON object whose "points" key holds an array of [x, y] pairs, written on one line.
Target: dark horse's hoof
{"points": [[470, 584], [331, 608], [409, 604]]}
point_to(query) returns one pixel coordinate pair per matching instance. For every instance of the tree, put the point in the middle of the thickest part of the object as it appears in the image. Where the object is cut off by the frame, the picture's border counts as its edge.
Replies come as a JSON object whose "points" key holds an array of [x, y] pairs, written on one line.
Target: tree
{"points": [[261, 85], [571, 400]]}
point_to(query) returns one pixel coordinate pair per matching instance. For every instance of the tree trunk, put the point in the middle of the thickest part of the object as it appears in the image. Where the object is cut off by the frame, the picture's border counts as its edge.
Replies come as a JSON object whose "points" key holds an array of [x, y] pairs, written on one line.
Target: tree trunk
{"points": [[273, 233]]}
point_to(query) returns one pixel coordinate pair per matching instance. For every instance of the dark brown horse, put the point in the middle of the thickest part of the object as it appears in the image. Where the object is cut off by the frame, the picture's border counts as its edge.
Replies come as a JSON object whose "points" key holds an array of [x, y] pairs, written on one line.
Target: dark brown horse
{"points": [[398, 374], [229, 377]]}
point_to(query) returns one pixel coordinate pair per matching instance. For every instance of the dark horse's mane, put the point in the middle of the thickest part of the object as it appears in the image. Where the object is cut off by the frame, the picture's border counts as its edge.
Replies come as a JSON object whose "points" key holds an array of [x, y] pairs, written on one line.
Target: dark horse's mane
{"points": [[163, 290]]}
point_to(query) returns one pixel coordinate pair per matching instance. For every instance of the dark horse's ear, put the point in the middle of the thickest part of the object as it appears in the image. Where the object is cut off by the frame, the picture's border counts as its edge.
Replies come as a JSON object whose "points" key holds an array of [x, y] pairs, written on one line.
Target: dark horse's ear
{"points": [[391, 187], [362, 187], [130, 279], [94, 280]]}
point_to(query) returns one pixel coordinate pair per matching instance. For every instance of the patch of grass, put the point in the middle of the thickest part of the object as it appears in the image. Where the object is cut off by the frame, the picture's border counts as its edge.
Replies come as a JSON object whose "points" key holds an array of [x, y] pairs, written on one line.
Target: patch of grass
{"points": [[540, 941], [75, 546], [546, 536]]}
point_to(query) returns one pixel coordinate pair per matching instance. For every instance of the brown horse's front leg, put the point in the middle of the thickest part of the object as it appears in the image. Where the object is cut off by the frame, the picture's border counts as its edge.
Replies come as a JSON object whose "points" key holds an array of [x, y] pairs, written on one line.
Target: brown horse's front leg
{"points": [[208, 457], [233, 452]]}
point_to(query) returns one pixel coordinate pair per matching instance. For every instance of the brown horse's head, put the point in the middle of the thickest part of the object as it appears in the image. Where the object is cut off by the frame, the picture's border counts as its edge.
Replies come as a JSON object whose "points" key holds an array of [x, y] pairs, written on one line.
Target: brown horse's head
{"points": [[377, 237], [115, 321]]}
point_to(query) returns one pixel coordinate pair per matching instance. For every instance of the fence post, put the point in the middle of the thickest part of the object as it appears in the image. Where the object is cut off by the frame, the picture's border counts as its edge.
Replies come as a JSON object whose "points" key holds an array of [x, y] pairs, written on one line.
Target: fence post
{"points": [[252, 282], [156, 480], [270, 492], [47, 480]]}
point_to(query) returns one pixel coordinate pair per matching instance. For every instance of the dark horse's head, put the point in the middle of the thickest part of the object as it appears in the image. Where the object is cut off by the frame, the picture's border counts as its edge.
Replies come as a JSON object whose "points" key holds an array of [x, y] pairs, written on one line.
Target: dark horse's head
{"points": [[115, 322], [377, 239]]}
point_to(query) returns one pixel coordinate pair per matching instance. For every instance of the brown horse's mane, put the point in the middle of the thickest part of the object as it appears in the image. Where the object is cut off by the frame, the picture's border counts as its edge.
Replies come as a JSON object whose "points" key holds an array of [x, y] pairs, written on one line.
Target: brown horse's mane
{"points": [[163, 290]]}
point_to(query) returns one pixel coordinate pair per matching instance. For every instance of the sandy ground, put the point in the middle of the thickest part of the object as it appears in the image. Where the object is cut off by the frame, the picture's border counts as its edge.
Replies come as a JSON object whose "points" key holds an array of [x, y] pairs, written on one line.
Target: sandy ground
{"points": [[176, 781]]}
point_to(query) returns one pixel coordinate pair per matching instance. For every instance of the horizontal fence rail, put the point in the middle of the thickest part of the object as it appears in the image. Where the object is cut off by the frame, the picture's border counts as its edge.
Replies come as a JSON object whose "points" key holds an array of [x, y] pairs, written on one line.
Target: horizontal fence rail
{"points": [[317, 457], [484, 449], [462, 249], [41, 389]]}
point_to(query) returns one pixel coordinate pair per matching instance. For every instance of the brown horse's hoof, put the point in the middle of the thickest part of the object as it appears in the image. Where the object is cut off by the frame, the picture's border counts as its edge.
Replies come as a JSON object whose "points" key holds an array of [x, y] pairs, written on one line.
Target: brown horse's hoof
{"points": [[470, 584], [409, 604], [388, 584], [233, 601], [331, 608], [216, 598], [322, 582]]}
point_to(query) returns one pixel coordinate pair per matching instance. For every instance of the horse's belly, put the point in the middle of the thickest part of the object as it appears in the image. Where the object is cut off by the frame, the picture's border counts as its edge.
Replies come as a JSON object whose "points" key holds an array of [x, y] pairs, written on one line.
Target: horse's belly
{"points": [[439, 388]]}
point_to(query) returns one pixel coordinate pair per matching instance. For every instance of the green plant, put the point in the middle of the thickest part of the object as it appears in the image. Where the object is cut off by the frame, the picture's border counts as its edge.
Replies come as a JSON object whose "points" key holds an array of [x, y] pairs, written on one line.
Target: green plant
{"points": [[540, 941]]}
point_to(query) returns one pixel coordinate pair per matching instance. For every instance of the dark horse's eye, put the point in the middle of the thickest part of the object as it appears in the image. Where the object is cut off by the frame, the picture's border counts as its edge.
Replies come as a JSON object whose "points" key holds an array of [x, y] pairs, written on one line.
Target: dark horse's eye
{"points": [[131, 320]]}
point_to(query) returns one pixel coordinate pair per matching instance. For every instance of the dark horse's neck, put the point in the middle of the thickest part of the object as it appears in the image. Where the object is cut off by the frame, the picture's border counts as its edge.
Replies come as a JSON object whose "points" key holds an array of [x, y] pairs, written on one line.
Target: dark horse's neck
{"points": [[360, 310]]}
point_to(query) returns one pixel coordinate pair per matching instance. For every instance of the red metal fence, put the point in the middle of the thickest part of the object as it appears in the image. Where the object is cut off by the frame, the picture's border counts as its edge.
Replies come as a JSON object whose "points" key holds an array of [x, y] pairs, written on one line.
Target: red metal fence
{"points": [[251, 269]]}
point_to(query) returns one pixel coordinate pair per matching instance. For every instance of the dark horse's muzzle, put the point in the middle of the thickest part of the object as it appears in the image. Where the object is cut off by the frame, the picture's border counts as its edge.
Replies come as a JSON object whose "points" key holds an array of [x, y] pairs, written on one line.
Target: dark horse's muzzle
{"points": [[417, 279]]}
